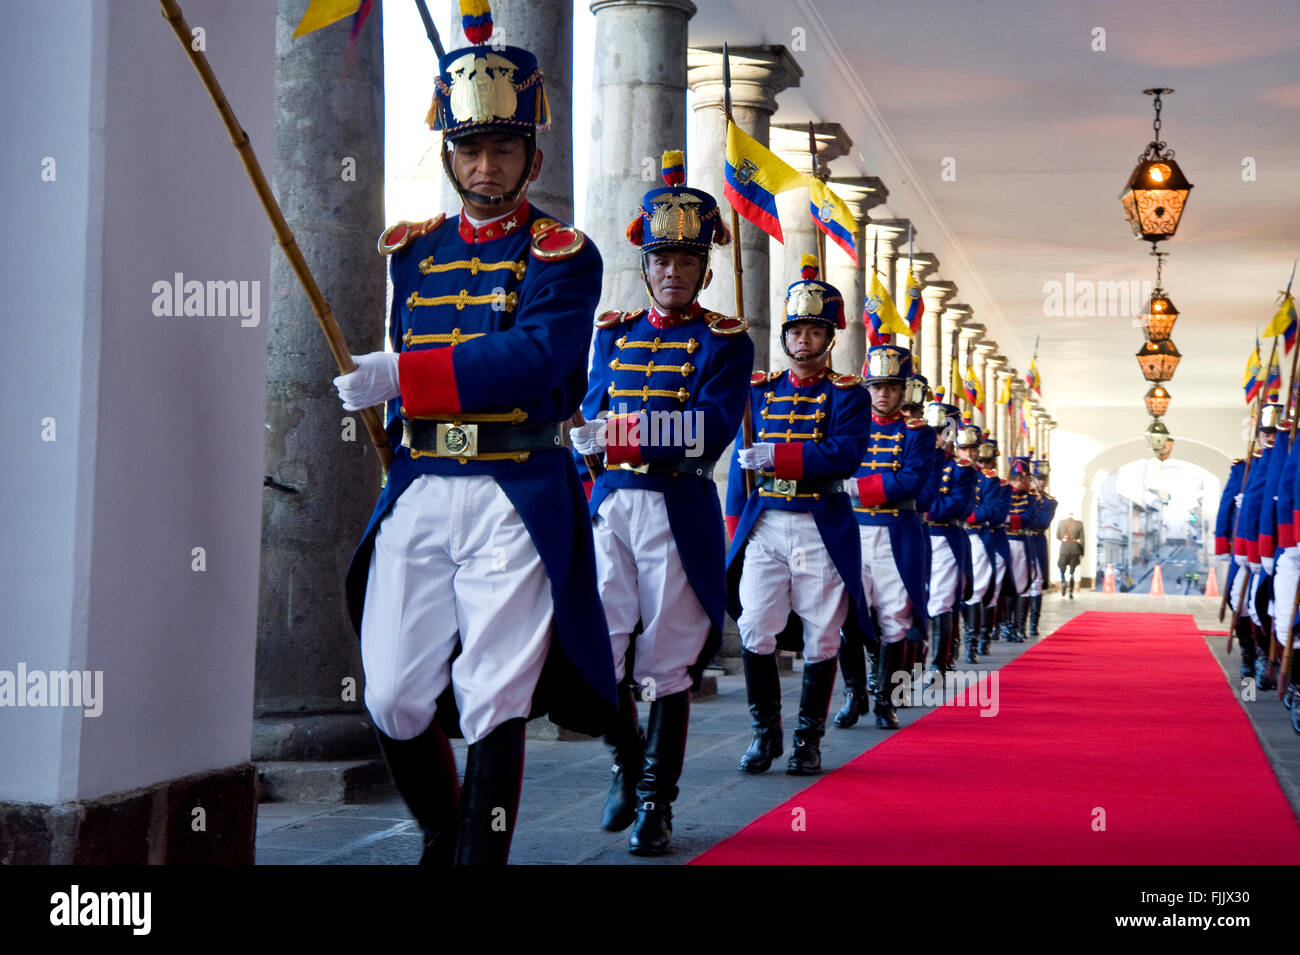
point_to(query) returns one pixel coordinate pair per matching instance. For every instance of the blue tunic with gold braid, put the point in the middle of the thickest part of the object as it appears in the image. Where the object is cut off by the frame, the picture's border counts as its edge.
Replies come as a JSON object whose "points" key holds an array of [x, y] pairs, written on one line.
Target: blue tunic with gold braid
{"points": [[892, 474], [685, 379], [947, 502], [819, 427], [1021, 524], [988, 514], [493, 327]]}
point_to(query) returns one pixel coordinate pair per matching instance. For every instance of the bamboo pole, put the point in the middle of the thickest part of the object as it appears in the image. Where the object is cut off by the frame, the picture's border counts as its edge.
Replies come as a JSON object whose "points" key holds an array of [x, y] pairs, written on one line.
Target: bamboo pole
{"points": [[283, 234]]}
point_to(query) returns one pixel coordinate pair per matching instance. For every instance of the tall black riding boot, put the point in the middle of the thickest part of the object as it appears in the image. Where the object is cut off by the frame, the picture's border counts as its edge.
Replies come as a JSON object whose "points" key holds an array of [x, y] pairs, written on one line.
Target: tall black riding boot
{"points": [[665, 749], [988, 624], [887, 677], [1246, 637], [424, 770], [1021, 607], [853, 664], [1035, 610], [628, 743], [970, 615], [941, 635], [763, 687], [814, 704], [494, 772]]}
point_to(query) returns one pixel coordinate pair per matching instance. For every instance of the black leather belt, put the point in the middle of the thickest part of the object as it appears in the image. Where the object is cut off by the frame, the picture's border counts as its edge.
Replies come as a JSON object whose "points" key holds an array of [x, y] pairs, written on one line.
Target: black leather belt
{"points": [[798, 488], [702, 469], [464, 439], [942, 523]]}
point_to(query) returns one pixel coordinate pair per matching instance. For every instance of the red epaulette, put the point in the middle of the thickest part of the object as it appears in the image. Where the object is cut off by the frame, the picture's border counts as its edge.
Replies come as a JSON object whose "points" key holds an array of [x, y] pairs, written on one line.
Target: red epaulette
{"points": [[844, 381], [396, 236], [915, 423], [763, 377], [554, 241], [725, 325], [614, 317]]}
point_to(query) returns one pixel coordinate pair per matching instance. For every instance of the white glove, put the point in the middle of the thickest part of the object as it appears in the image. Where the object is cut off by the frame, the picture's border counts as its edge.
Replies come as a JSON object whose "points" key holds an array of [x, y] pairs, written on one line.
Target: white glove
{"points": [[758, 456], [1239, 560], [1237, 500], [1268, 565], [589, 438], [374, 381], [1254, 568]]}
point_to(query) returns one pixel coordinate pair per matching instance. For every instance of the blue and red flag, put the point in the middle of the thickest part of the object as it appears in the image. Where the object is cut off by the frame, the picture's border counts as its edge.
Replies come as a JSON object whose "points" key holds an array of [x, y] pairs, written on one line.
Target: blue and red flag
{"points": [[754, 177], [832, 216], [1252, 379]]}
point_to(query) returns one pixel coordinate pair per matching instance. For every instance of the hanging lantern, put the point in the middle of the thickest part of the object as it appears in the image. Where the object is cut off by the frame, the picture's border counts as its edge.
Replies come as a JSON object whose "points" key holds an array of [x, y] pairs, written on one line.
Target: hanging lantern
{"points": [[1157, 435], [1158, 320], [1157, 190], [1158, 360], [1157, 400]]}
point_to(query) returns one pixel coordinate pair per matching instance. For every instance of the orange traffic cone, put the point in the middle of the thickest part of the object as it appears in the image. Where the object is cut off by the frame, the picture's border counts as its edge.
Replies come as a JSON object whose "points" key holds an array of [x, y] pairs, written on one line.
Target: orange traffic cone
{"points": [[1212, 585], [1108, 585], [1157, 583]]}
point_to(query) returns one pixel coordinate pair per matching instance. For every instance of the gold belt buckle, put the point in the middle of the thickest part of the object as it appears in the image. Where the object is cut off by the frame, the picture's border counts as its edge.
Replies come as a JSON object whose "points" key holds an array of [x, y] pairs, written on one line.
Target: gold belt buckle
{"points": [[456, 440], [785, 486], [638, 469]]}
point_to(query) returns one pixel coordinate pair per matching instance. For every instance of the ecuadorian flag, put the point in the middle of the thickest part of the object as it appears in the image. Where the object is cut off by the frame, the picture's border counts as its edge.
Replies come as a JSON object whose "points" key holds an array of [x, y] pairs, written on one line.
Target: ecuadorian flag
{"points": [[1284, 322], [912, 299], [1251, 381], [832, 216], [1274, 383], [321, 13], [882, 317], [974, 393], [1032, 378], [754, 176]]}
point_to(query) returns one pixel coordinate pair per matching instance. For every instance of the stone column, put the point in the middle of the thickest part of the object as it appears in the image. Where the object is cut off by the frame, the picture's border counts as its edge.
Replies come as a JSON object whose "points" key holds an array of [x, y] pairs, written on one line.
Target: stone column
{"points": [[757, 75], [968, 336], [861, 195], [791, 144], [935, 295], [884, 237], [982, 352], [322, 475], [638, 109], [993, 419], [954, 317]]}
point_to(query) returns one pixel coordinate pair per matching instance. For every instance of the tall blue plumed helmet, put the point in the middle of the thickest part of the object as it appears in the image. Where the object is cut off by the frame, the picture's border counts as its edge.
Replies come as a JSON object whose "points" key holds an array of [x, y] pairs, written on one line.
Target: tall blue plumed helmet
{"points": [[1020, 465], [940, 415], [487, 88], [988, 449], [887, 363], [916, 390], [1042, 469], [811, 300], [969, 434]]}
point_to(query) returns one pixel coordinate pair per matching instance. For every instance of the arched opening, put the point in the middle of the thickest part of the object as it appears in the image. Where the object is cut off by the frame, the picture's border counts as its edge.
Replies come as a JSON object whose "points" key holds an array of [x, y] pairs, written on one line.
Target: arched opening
{"points": [[1197, 471]]}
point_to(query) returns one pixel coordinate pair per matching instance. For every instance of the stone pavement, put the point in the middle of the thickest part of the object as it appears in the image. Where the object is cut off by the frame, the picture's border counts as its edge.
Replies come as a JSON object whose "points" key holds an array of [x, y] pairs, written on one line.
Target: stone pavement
{"points": [[565, 781]]}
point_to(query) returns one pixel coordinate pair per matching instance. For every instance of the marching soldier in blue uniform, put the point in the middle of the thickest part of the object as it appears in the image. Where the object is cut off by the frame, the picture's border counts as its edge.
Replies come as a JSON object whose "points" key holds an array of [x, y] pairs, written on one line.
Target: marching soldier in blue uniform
{"points": [[1224, 540], [667, 389], [989, 554], [1045, 513], [895, 546], [1245, 596], [474, 587], [794, 568], [946, 502], [1021, 524]]}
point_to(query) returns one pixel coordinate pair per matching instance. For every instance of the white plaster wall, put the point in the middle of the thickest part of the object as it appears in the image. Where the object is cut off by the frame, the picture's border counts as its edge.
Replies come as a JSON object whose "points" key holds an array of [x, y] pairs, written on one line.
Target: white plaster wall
{"points": [[164, 445]]}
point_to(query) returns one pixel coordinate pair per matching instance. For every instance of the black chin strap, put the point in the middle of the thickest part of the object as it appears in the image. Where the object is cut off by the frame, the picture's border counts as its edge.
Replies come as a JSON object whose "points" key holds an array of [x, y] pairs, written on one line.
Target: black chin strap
{"points": [[485, 200]]}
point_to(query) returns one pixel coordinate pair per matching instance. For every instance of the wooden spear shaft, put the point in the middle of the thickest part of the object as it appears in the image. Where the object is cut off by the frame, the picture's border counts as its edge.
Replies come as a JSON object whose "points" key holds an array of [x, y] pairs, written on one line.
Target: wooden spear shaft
{"points": [[283, 234], [738, 270]]}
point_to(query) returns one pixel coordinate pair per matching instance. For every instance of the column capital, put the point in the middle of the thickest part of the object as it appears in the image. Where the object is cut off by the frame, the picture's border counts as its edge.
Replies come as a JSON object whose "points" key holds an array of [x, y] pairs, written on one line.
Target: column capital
{"points": [[971, 332], [861, 194], [888, 232], [686, 6], [790, 142], [936, 295], [923, 264], [758, 73], [956, 313]]}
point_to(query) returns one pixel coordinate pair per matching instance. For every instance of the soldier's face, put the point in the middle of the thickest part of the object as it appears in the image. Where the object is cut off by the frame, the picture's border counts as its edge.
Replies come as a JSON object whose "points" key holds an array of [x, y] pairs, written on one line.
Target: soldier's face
{"points": [[674, 276], [1019, 482], [805, 339], [491, 164], [886, 396], [1266, 438]]}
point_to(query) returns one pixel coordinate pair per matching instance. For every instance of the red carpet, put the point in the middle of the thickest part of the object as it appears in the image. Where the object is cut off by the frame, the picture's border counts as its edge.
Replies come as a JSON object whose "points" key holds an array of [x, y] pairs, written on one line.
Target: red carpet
{"points": [[1123, 714]]}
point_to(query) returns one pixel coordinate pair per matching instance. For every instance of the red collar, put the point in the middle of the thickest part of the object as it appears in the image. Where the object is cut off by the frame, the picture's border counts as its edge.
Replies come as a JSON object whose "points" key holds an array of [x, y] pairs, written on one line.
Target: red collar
{"points": [[804, 382], [887, 419], [498, 227], [662, 320]]}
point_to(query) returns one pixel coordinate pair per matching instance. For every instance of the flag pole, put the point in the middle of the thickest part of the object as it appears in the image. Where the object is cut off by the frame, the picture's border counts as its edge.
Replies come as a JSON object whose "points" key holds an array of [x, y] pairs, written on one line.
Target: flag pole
{"points": [[821, 236], [430, 30], [737, 267], [911, 339], [284, 235]]}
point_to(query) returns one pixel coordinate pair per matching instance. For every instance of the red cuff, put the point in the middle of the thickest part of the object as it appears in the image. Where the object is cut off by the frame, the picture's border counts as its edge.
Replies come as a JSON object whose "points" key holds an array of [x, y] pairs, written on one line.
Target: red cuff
{"points": [[1221, 546], [428, 382], [1014, 522], [1266, 545], [1285, 535], [1239, 546], [871, 490], [588, 485], [623, 440], [732, 524], [1252, 552], [970, 518], [788, 460]]}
